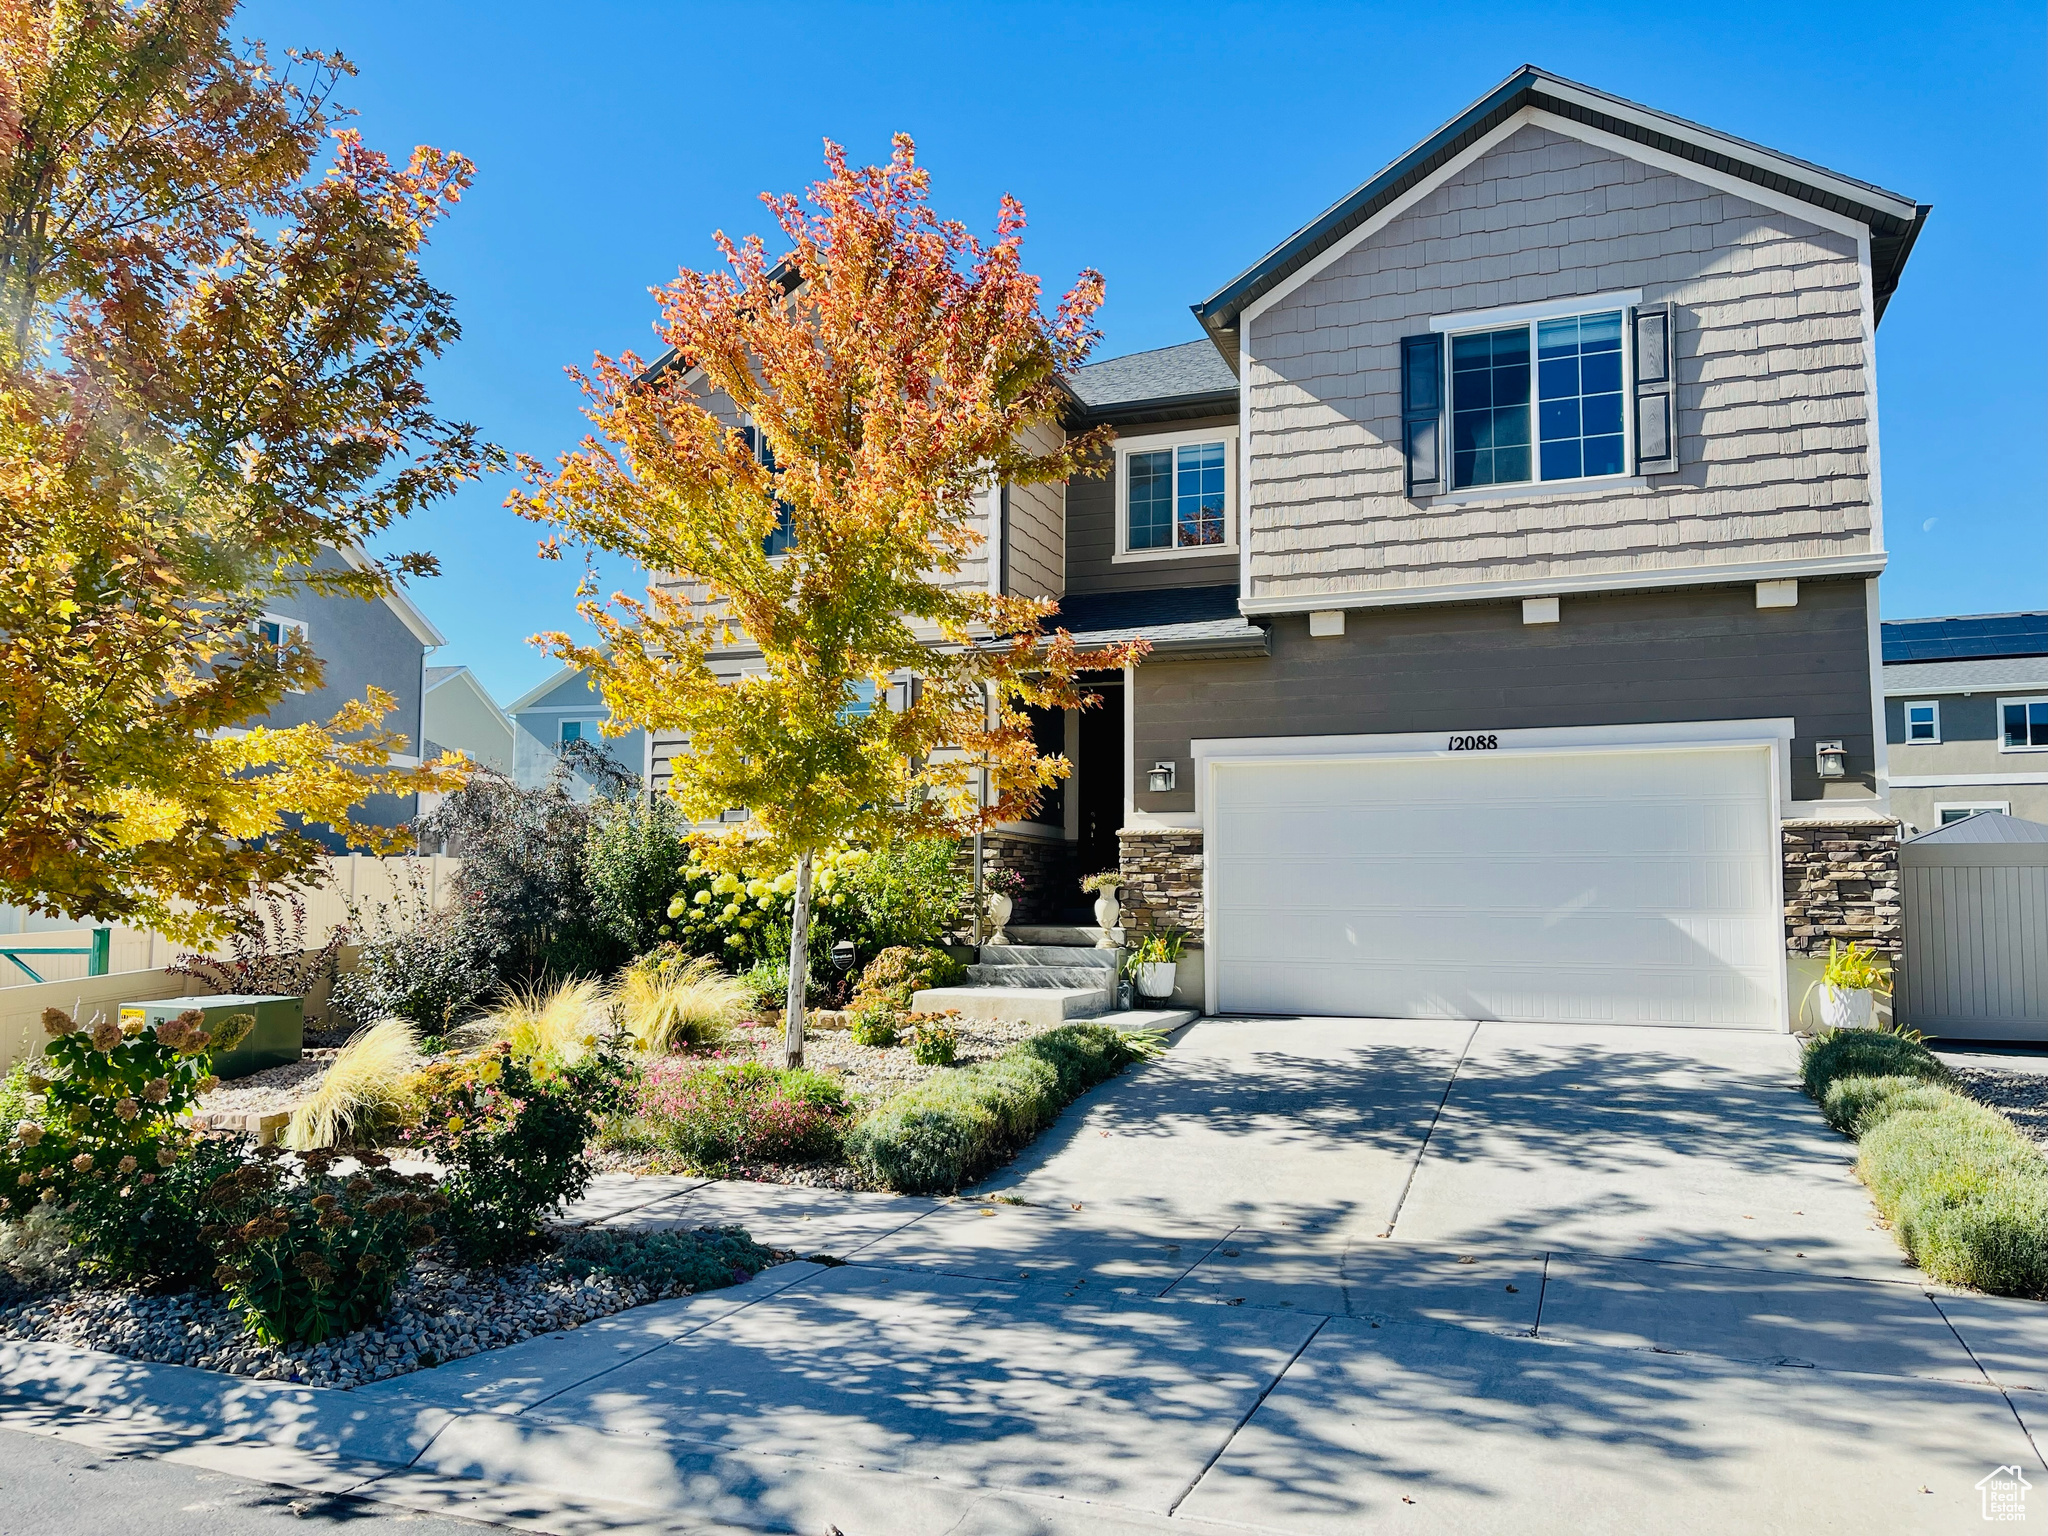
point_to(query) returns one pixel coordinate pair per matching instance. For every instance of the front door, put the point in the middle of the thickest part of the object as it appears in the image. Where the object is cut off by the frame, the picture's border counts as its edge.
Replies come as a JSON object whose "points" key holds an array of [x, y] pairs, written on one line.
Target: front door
{"points": [[1099, 780]]}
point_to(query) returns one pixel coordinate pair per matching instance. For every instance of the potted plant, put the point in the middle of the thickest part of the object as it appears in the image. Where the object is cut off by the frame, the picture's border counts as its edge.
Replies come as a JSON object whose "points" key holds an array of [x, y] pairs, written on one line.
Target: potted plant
{"points": [[1850, 986], [1000, 888], [1108, 914], [1154, 962]]}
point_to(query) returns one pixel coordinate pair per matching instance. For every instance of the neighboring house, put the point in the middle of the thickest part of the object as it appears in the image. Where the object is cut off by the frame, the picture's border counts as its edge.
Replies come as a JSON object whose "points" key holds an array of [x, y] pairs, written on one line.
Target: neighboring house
{"points": [[360, 644], [1966, 716], [460, 715], [1508, 549], [562, 709]]}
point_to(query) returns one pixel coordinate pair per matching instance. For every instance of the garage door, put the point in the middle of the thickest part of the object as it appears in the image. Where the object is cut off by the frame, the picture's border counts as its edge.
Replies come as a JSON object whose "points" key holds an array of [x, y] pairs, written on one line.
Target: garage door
{"points": [[1622, 887]]}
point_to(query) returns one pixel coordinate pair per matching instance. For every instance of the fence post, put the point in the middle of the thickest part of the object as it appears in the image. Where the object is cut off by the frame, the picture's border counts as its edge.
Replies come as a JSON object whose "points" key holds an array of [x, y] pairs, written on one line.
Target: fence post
{"points": [[102, 947]]}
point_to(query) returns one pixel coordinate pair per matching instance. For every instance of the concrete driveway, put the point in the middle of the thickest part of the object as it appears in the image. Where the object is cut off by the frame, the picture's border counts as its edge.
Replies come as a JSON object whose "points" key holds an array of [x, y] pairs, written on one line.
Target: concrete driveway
{"points": [[1296, 1276]]}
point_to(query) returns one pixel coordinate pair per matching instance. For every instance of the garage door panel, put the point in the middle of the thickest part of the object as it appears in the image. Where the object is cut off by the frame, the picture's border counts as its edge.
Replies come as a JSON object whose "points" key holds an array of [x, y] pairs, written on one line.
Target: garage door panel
{"points": [[1621, 887]]}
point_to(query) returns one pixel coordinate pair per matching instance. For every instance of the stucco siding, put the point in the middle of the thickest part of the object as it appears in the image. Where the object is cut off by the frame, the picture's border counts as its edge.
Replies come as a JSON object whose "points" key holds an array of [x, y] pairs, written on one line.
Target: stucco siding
{"points": [[1614, 659], [1773, 407]]}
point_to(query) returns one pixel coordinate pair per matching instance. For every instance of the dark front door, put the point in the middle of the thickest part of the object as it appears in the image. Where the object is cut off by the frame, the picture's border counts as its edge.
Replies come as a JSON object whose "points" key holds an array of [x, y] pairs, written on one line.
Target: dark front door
{"points": [[1099, 779]]}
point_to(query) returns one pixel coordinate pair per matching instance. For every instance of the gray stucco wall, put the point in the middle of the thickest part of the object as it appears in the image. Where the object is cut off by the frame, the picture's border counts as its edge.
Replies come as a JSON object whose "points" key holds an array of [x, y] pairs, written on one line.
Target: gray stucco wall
{"points": [[537, 731], [1619, 659], [1773, 407], [359, 644], [1092, 532], [1969, 747]]}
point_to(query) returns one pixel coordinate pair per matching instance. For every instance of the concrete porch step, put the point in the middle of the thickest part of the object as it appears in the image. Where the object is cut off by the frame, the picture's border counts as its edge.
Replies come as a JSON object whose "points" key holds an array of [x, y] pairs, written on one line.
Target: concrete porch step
{"points": [[1031, 937], [1063, 955], [1029, 1005], [1086, 976]]}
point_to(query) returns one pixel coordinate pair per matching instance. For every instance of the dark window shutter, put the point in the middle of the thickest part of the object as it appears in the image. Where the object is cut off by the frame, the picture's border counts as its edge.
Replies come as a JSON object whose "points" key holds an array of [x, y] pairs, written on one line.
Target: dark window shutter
{"points": [[1656, 386], [1422, 413]]}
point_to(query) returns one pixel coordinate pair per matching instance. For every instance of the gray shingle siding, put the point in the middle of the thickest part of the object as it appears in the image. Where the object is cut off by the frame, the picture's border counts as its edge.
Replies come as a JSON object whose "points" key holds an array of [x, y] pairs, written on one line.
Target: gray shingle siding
{"points": [[1773, 400]]}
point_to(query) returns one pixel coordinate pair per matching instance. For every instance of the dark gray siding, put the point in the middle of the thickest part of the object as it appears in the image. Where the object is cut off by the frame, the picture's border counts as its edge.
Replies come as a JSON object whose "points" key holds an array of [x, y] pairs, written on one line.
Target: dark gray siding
{"points": [[1962, 719], [1091, 532], [1624, 659]]}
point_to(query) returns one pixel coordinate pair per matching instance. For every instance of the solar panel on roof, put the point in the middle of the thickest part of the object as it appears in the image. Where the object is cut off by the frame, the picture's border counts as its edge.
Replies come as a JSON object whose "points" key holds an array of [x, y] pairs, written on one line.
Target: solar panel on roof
{"points": [[1976, 637]]}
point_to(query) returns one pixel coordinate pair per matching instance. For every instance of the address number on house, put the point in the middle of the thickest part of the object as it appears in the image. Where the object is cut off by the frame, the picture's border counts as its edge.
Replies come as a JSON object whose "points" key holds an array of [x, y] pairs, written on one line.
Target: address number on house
{"points": [[1475, 743]]}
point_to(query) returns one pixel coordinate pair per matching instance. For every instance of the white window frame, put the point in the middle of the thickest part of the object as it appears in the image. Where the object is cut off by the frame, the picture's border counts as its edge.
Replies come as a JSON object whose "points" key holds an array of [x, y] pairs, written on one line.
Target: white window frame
{"points": [[1935, 739], [2024, 698], [304, 633], [579, 722], [1971, 807], [1475, 322], [1126, 446]]}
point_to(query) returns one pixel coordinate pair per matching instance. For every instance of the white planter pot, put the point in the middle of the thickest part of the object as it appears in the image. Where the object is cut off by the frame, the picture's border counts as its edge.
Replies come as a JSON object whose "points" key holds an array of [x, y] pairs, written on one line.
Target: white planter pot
{"points": [[1847, 1008], [1155, 978], [1107, 915], [999, 908]]}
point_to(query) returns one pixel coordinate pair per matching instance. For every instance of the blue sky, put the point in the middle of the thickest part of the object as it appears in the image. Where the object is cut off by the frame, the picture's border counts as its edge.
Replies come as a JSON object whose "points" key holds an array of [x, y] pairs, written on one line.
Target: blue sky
{"points": [[1169, 146]]}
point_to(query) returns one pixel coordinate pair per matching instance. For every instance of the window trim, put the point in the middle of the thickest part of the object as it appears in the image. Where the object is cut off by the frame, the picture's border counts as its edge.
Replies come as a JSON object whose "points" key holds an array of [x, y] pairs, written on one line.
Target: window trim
{"points": [[565, 722], [304, 629], [1153, 443], [1906, 718], [2018, 698], [1529, 316], [1970, 807]]}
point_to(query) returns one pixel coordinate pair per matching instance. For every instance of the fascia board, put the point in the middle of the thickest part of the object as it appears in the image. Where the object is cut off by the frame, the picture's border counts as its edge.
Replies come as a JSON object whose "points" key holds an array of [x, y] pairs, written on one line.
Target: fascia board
{"points": [[541, 690]]}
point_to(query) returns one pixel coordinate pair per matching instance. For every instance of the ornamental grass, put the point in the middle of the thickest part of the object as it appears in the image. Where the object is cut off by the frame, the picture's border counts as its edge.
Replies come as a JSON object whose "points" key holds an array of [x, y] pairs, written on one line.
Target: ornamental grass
{"points": [[562, 1021], [364, 1090], [668, 1005]]}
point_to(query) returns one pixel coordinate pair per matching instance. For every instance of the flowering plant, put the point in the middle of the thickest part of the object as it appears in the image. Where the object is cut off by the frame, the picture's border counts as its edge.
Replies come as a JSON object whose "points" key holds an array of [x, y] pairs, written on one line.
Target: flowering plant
{"points": [[742, 1112], [934, 1037], [512, 1132], [307, 1256], [102, 1132]]}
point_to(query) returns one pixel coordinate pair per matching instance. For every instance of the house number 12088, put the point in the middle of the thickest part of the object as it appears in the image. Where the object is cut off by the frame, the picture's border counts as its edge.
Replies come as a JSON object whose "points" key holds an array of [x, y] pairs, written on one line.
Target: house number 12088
{"points": [[1475, 743]]}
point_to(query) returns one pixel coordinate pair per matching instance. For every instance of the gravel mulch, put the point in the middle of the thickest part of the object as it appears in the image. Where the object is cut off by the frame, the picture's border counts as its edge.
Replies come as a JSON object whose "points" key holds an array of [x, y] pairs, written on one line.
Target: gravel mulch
{"points": [[2021, 1096], [438, 1314], [870, 1071]]}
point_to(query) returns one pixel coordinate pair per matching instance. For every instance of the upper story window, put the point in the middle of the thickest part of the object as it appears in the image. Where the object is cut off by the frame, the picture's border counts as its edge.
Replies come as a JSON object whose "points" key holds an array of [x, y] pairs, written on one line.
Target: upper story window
{"points": [[1923, 720], [577, 730], [2023, 725], [784, 537], [1174, 494], [278, 632], [1578, 431]]}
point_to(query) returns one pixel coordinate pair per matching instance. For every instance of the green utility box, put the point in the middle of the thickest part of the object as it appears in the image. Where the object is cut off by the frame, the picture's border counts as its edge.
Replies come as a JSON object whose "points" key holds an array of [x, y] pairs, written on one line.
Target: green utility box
{"points": [[279, 1035]]}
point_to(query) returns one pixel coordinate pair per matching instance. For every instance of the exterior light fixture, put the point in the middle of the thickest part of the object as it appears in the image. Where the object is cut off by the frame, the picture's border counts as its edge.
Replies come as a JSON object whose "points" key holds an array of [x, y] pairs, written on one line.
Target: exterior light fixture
{"points": [[1830, 761], [1160, 779]]}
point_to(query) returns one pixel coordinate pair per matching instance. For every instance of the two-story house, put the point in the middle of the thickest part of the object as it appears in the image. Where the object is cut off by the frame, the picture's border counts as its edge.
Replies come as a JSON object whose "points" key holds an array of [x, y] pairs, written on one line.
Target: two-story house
{"points": [[1508, 549], [566, 707], [1966, 716]]}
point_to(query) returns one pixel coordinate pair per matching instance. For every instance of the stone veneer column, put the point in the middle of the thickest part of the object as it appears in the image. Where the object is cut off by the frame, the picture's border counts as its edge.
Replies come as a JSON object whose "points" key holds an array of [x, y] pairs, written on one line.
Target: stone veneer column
{"points": [[1841, 883], [1162, 870]]}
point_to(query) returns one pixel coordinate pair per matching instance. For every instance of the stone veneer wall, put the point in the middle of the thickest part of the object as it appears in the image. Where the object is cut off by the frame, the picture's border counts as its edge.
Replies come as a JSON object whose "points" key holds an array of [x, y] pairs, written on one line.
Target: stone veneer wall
{"points": [[1841, 883], [1162, 870], [1047, 865]]}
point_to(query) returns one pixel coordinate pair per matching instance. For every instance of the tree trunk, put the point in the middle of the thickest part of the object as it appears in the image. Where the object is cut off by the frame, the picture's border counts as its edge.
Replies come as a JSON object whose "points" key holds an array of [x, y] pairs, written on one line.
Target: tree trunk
{"points": [[799, 965]]}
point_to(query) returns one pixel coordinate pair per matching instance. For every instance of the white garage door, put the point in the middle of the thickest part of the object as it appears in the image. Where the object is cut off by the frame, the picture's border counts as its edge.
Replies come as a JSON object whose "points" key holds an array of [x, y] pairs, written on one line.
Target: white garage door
{"points": [[1623, 887]]}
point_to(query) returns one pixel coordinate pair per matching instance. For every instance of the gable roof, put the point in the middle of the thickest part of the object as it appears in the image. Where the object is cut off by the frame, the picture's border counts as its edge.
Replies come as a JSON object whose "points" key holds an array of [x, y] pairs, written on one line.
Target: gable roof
{"points": [[1986, 827], [541, 690], [1965, 637], [436, 676], [1894, 221], [1188, 374]]}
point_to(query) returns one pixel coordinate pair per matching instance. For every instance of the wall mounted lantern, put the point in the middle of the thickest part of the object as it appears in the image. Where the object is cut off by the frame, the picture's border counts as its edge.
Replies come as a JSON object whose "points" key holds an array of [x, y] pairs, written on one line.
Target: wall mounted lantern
{"points": [[1160, 779], [1830, 761]]}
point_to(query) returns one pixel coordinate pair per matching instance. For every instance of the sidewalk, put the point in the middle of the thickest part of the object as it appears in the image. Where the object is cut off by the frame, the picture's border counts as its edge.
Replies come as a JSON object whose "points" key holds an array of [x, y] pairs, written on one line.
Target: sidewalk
{"points": [[968, 1366]]}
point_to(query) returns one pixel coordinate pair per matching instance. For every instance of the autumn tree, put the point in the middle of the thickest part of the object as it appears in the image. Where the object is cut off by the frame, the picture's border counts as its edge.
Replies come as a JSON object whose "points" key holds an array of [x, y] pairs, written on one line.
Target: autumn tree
{"points": [[212, 329], [842, 406]]}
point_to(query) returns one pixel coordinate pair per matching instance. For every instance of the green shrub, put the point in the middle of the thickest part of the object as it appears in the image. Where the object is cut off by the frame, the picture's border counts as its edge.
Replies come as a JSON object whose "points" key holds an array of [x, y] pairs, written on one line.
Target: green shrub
{"points": [[305, 1256], [1852, 1105], [714, 1116], [875, 1025], [513, 1135], [1865, 1053], [1967, 1194], [896, 974], [961, 1122], [934, 1041], [669, 1263], [635, 852]]}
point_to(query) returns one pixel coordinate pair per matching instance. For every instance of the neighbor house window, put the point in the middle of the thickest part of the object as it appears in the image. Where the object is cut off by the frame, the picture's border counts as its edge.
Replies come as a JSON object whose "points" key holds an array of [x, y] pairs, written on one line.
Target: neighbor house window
{"points": [[1923, 720], [2023, 725], [575, 730], [784, 536], [1963, 812], [1577, 431], [277, 633], [1176, 495]]}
